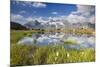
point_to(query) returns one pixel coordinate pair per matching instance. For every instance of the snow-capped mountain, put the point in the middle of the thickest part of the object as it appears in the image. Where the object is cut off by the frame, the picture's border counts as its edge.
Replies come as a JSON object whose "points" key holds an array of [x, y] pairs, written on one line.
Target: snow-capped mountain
{"points": [[34, 24], [44, 24], [56, 24]]}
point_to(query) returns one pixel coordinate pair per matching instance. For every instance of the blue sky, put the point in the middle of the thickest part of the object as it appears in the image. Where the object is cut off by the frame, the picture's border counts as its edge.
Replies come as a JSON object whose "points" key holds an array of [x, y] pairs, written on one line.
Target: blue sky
{"points": [[47, 11], [23, 11]]}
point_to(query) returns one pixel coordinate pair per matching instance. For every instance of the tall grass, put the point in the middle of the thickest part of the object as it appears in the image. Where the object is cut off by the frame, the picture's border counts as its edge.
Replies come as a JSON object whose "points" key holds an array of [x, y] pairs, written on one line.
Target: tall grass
{"points": [[33, 55]]}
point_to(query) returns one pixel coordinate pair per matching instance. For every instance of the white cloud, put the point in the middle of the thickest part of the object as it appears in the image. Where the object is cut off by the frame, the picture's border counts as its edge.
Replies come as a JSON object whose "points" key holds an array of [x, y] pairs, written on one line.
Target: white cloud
{"points": [[54, 13], [40, 19], [59, 18], [82, 14], [32, 4], [84, 10], [29, 19], [92, 19], [22, 12], [22, 20], [29, 3], [39, 5], [18, 18], [75, 18]]}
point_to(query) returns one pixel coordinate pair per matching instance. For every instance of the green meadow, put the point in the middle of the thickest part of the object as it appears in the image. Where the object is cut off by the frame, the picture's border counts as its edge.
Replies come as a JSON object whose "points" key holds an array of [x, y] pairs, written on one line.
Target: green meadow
{"points": [[35, 55]]}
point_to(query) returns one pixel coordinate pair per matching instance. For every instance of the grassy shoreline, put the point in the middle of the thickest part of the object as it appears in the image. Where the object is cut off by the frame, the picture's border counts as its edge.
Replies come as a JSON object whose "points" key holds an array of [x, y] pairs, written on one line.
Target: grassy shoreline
{"points": [[34, 55]]}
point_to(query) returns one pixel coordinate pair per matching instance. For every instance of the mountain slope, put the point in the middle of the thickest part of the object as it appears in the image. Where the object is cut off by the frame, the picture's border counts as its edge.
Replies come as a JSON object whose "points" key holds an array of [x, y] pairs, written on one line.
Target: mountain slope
{"points": [[17, 26]]}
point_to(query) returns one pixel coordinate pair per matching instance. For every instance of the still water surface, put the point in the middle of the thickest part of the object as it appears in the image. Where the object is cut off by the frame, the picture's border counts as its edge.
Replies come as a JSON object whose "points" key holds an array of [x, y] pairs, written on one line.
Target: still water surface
{"points": [[67, 40]]}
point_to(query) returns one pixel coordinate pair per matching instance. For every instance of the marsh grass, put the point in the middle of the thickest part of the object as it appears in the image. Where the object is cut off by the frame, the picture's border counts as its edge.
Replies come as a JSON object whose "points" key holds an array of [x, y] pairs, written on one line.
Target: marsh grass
{"points": [[22, 55], [33, 55], [17, 35], [70, 42]]}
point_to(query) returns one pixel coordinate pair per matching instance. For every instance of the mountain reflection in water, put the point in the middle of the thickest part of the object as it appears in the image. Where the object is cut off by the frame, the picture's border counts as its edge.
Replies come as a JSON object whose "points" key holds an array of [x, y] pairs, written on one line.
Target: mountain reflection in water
{"points": [[67, 40]]}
